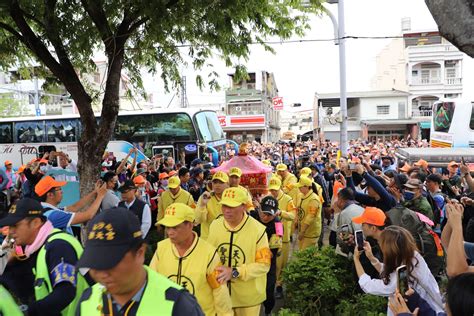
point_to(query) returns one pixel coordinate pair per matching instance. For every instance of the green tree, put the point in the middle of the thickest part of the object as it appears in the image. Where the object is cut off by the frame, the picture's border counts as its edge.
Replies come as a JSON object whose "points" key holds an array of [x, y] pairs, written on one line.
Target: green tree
{"points": [[64, 35], [10, 107]]}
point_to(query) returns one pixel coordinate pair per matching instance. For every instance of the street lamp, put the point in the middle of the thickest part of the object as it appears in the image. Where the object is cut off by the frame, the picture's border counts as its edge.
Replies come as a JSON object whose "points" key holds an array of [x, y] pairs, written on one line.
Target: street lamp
{"points": [[339, 31]]}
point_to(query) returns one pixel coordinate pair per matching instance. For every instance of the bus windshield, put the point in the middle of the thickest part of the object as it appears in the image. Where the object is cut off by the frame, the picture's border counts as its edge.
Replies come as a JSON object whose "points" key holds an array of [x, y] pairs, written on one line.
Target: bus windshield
{"points": [[208, 126], [442, 116]]}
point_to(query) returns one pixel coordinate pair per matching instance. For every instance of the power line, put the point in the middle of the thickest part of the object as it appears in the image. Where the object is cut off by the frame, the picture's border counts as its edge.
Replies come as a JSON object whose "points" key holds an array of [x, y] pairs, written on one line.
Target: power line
{"points": [[312, 40]]}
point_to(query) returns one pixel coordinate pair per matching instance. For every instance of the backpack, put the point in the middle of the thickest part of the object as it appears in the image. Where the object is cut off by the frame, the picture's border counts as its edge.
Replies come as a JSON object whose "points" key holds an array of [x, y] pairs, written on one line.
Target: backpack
{"points": [[437, 212], [427, 241]]}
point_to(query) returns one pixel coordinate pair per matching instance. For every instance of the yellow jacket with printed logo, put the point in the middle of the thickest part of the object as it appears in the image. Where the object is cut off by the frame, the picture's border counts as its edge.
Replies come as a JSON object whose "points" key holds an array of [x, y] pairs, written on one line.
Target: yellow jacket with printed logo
{"points": [[167, 198], [205, 215], [289, 187], [245, 248], [195, 271], [288, 213], [309, 212]]}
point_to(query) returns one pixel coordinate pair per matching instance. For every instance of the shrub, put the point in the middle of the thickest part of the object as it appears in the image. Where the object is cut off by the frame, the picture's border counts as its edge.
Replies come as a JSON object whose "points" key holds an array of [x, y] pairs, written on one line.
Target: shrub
{"points": [[316, 280], [362, 305]]}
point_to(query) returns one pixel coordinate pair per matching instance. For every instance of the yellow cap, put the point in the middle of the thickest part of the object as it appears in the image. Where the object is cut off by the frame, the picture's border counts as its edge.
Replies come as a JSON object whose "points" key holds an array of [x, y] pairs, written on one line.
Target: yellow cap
{"points": [[305, 171], [174, 182], [275, 184], [235, 172], [234, 197], [282, 167], [304, 182], [176, 214], [221, 176], [267, 162]]}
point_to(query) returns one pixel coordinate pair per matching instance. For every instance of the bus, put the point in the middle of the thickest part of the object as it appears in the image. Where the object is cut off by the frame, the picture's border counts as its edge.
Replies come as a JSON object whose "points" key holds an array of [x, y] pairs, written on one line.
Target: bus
{"points": [[452, 124], [177, 133]]}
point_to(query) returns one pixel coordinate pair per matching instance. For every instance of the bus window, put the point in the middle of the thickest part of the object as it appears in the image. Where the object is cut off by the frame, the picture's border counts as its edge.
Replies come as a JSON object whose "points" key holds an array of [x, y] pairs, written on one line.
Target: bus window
{"points": [[62, 130], [144, 131], [6, 133], [209, 127], [442, 116], [29, 132]]}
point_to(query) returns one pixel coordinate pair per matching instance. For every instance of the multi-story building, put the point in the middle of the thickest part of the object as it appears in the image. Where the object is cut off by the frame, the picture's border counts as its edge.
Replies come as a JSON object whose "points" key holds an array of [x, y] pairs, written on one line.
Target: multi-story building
{"points": [[430, 66], [412, 72], [249, 112]]}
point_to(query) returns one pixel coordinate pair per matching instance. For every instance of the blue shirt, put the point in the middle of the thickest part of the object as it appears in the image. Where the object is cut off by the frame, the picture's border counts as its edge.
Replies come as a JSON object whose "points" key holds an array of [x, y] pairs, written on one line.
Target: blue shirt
{"points": [[60, 218]]}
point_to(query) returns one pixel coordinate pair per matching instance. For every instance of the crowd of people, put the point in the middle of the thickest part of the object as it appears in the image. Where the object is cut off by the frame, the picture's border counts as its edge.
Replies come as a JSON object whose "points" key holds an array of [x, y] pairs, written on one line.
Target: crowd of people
{"points": [[219, 248]]}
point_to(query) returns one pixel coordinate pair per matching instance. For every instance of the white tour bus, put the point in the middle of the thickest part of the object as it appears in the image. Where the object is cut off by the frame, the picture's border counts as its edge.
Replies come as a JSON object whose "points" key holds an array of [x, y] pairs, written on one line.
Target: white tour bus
{"points": [[177, 132], [452, 124]]}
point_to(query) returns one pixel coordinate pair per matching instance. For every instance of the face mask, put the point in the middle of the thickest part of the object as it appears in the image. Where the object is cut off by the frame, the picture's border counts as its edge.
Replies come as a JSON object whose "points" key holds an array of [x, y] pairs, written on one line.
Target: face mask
{"points": [[142, 190], [408, 195], [44, 169], [164, 183]]}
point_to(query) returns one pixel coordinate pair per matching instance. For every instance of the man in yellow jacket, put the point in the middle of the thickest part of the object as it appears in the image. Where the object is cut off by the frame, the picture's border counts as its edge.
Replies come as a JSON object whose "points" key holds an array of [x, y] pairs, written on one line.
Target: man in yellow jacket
{"points": [[288, 214], [243, 249], [309, 214], [288, 181], [190, 261], [174, 194], [235, 175], [208, 207]]}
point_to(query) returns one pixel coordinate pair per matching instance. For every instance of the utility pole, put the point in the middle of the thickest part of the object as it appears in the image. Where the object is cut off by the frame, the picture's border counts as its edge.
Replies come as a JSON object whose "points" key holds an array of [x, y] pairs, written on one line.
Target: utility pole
{"points": [[183, 92], [342, 77], [36, 96]]}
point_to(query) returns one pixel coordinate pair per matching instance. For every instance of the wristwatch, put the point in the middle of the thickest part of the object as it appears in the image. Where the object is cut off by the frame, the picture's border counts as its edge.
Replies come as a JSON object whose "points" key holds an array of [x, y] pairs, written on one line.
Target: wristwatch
{"points": [[235, 273]]}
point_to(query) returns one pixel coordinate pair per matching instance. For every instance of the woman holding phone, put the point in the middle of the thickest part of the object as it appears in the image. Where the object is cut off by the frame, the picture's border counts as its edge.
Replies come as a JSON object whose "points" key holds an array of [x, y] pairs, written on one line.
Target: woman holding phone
{"points": [[398, 248]]}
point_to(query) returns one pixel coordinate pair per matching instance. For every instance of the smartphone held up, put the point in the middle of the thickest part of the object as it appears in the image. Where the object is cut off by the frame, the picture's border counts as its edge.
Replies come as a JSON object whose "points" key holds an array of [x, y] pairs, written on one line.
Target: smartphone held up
{"points": [[359, 237]]}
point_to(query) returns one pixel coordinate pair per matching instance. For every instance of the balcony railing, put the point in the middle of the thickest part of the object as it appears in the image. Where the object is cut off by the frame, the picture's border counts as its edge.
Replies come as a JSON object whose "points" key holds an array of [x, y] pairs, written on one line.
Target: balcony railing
{"points": [[453, 81], [421, 113], [424, 81]]}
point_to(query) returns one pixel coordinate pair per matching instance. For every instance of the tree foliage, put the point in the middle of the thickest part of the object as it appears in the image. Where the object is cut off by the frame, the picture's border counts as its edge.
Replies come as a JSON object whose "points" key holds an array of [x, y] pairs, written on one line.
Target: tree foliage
{"points": [[64, 36]]}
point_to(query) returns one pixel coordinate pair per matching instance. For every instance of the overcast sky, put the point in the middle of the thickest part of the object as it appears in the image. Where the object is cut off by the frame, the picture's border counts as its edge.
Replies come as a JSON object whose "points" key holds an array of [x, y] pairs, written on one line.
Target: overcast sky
{"points": [[301, 69]]}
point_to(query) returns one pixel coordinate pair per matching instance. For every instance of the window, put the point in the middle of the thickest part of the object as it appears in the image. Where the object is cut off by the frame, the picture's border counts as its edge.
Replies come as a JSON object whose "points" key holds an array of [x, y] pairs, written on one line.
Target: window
{"points": [[6, 135], [29, 132], [97, 77], [443, 116], [383, 109], [245, 109], [208, 126], [451, 72], [62, 130], [147, 130]]}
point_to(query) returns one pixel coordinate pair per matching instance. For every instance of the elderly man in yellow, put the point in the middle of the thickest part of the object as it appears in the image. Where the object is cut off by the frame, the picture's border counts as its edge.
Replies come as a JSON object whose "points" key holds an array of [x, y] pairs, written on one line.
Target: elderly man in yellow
{"points": [[309, 214], [208, 207], [234, 182], [287, 214], [242, 246], [174, 194], [190, 261]]}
